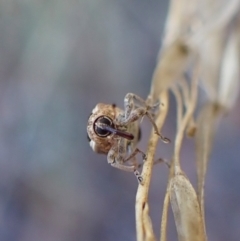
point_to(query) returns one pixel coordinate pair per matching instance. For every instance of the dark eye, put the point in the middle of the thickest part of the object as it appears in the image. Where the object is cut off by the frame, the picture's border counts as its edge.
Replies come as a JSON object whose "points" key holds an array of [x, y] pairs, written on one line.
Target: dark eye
{"points": [[100, 131]]}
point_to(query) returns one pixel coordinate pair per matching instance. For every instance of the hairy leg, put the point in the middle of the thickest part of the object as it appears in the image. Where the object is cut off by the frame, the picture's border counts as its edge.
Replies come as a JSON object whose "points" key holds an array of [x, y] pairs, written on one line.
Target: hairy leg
{"points": [[115, 157], [132, 113]]}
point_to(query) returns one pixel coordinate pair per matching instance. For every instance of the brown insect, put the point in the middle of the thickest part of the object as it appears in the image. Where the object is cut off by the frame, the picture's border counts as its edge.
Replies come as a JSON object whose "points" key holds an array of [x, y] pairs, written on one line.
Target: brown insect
{"points": [[115, 132]]}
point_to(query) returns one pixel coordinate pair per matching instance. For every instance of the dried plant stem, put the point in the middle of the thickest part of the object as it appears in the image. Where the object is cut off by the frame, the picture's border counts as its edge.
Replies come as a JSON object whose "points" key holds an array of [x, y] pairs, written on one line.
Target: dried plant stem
{"points": [[194, 31], [207, 122], [179, 103], [187, 214], [190, 98], [143, 222], [185, 91], [187, 117], [163, 229]]}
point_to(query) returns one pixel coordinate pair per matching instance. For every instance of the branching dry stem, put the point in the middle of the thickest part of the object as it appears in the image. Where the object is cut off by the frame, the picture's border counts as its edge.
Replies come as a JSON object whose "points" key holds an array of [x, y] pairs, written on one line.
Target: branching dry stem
{"points": [[187, 117], [196, 41], [163, 228], [143, 221]]}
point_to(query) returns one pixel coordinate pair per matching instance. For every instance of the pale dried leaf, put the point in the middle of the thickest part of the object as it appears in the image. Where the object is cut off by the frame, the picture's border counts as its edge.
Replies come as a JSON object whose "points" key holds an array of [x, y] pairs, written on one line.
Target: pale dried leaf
{"points": [[209, 40], [229, 75], [211, 50], [186, 210], [172, 65], [217, 13], [214, 16], [181, 16]]}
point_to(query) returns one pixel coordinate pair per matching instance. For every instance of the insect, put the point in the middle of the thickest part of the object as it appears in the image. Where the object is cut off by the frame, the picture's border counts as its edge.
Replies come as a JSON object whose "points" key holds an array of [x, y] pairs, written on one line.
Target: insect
{"points": [[115, 132]]}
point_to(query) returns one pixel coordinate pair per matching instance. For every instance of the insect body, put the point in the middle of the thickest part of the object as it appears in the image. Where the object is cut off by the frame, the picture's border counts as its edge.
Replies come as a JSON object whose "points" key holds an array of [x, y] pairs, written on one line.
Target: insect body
{"points": [[115, 132]]}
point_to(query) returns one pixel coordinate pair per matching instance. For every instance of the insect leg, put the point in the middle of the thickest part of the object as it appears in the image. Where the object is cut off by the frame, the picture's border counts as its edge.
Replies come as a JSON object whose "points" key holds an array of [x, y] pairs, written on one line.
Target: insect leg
{"points": [[133, 113], [130, 97], [134, 153], [128, 169], [163, 138], [116, 155], [160, 160], [129, 104], [137, 114]]}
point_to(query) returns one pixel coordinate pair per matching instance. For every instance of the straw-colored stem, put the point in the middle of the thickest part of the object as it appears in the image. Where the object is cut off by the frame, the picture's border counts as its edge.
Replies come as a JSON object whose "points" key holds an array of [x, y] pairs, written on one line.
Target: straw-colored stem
{"points": [[163, 233], [186, 118], [143, 228]]}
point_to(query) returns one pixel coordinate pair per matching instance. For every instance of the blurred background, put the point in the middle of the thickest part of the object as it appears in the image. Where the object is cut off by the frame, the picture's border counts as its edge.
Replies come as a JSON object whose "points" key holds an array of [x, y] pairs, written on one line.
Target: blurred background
{"points": [[58, 59]]}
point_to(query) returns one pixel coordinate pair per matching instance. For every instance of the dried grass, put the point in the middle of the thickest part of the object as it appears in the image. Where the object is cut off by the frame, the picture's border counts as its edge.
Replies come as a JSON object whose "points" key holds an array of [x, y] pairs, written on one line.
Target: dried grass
{"points": [[202, 38]]}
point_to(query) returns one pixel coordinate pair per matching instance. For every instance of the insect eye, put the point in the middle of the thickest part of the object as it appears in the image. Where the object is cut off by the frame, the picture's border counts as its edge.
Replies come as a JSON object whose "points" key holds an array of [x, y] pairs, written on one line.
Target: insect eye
{"points": [[100, 131]]}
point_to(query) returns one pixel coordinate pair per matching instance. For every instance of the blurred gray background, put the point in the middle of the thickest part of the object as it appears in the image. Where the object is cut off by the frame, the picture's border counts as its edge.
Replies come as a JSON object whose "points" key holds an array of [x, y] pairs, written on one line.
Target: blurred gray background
{"points": [[57, 60]]}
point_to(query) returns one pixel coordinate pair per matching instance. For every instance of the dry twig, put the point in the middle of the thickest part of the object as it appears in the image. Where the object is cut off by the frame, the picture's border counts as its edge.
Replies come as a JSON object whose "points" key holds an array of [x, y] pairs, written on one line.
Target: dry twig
{"points": [[208, 33]]}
